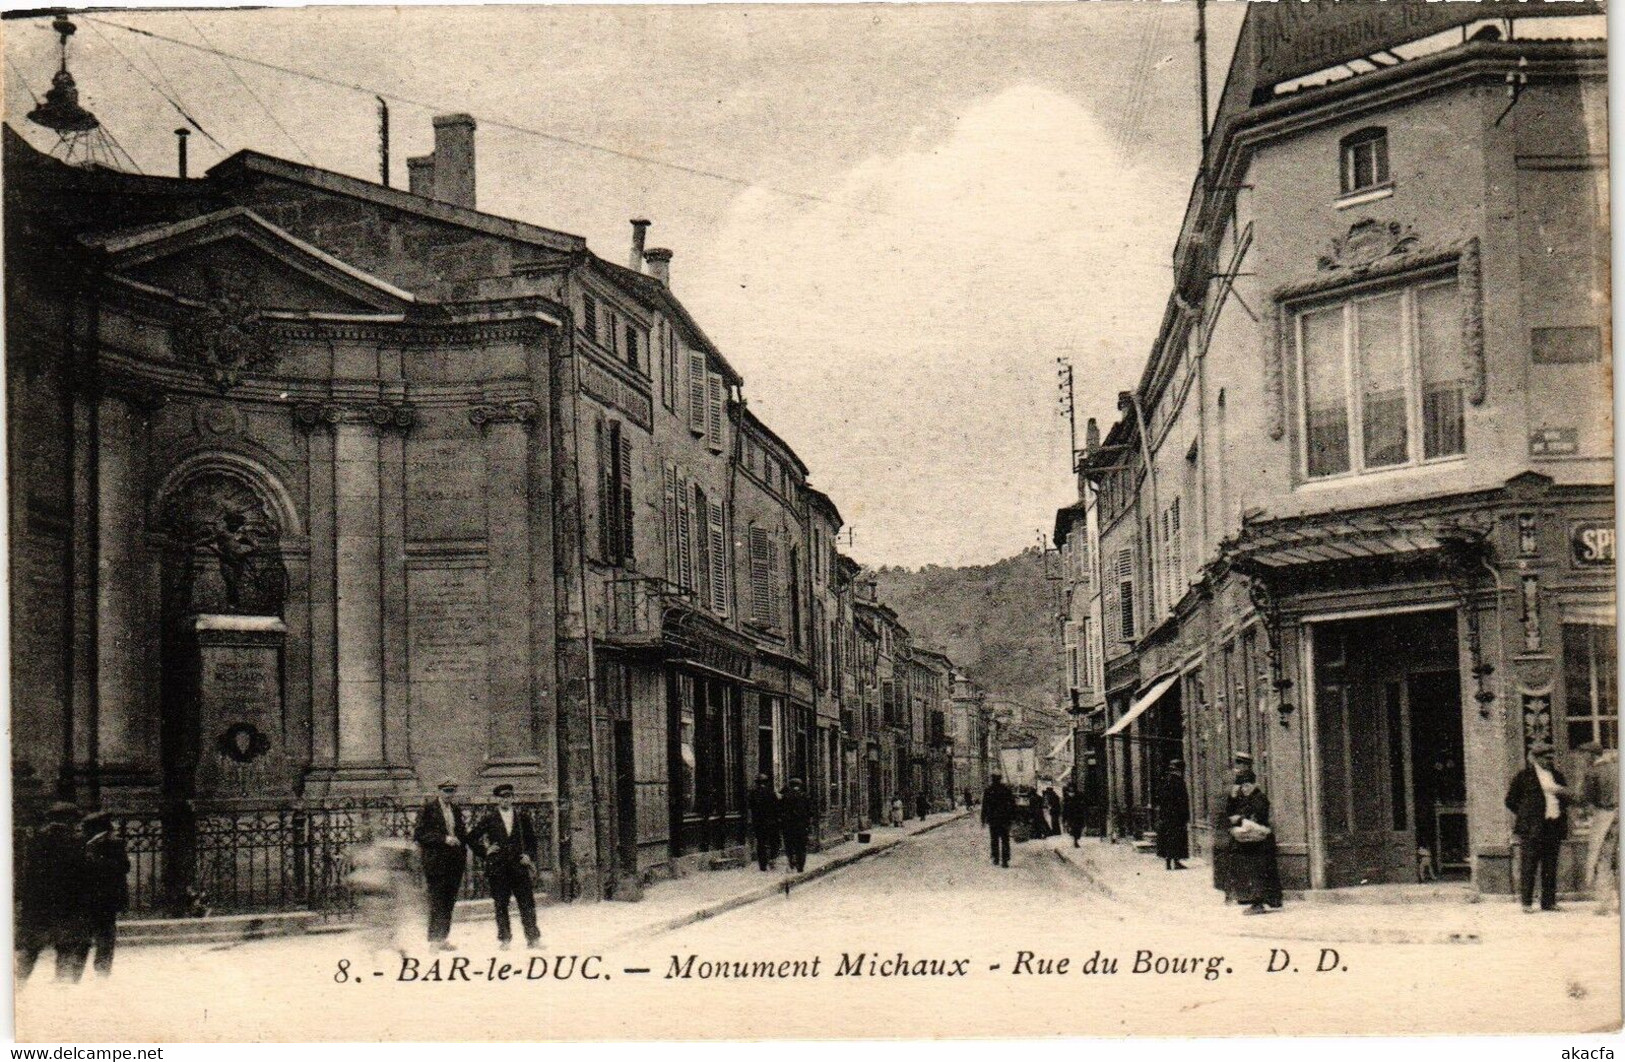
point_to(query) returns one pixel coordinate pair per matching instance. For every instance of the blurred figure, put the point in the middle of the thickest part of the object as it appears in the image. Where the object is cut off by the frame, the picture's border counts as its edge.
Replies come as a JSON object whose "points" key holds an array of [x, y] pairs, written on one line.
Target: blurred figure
{"points": [[1601, 792], [388, 900], [764, 821], [1052, 809], [897, 811], [1072, 812], [998, 808], [922, 806], [795, 817], [107, 887], [51, 897]]}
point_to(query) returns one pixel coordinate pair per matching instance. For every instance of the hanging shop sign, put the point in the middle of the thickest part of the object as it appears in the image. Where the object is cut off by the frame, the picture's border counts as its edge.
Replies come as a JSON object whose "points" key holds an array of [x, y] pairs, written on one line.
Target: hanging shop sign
{"points": [[1591, 543]]}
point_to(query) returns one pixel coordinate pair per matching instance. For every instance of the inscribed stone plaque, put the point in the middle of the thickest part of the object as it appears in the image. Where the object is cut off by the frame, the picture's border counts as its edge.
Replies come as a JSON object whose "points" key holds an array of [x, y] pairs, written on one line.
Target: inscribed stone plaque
{"points": [[445, 482], [449, 626]]}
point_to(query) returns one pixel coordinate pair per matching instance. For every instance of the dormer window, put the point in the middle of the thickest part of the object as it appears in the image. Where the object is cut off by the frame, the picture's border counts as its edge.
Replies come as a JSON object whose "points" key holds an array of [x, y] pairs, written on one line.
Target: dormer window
{"points": [[1365, 160]]}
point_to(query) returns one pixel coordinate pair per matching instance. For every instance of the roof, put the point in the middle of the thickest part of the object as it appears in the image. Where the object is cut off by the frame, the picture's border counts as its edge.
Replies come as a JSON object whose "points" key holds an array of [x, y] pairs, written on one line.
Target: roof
{"points": [[825, 502], [1066, 516], [755, 424], [659, 294]]}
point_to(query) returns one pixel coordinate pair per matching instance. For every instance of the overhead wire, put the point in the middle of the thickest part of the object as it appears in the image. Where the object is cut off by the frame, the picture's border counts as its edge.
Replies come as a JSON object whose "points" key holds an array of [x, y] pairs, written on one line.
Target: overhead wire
{"points": [[232, 70], [26, 86], [193, 122], [633, 156]]}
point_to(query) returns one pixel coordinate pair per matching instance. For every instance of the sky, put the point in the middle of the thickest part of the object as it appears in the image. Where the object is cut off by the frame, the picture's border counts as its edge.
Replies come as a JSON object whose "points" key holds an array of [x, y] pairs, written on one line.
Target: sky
{"points": [[891, 219]]}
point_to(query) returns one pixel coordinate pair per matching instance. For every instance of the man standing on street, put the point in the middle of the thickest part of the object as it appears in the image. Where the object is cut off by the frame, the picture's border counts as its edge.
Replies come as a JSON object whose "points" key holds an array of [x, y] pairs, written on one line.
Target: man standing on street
{"points": [[1538, 798], [107, 886], [1072, 812], [998, 808], [1173, 817], [1052, 805], [795, 816], [507, 840], [50, 894], [443, 841], [764, 821], [1601, 789]]}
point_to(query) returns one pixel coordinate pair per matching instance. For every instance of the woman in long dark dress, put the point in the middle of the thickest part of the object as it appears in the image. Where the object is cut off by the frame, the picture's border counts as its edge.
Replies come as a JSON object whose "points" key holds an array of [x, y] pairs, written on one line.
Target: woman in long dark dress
{"points": [[1173, 817], [1254, 874]]}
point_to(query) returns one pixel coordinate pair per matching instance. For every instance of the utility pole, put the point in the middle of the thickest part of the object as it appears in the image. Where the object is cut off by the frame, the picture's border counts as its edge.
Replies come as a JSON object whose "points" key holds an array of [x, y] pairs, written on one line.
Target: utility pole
{"points": [[1201, 80], [1068, 407]]}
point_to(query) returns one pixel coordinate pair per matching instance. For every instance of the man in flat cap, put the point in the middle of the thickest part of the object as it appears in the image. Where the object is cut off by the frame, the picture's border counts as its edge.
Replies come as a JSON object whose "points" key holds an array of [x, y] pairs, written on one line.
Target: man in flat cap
{"points": [[506, 838], [443, 841], [107, 887], [1538, 799], [51, 896]]}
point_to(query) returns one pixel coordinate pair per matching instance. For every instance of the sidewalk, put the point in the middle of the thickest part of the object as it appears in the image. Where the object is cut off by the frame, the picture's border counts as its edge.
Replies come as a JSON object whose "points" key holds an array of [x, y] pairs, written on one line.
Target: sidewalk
{"points": [[666, 905], [1138, 882]]}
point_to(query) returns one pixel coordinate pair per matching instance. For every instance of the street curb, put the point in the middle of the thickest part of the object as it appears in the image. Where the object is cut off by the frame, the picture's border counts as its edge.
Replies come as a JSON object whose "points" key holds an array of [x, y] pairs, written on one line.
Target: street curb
{"points": [[784, 885]]}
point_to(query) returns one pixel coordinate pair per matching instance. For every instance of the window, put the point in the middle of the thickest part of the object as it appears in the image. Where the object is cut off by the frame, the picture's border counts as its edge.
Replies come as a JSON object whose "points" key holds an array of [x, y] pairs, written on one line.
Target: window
{"points": [[668, 367], [589, 317], [1381, 380], [795, 598], [614, 493], [1125, 592], [764, 566], [1365, 160], [696, 392], [632, 346], [714, 392], [1589, 684]]}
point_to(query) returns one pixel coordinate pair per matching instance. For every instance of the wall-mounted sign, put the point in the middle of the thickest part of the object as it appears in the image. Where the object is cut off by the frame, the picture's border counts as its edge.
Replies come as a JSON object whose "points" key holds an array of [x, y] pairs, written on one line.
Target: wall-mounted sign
{"points": [[1554, 442], [1592, 543]]}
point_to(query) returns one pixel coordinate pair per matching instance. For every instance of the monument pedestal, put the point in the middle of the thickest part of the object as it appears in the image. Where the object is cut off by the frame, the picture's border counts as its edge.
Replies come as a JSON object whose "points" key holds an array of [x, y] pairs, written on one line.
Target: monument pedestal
{"points": [[242, 753]]}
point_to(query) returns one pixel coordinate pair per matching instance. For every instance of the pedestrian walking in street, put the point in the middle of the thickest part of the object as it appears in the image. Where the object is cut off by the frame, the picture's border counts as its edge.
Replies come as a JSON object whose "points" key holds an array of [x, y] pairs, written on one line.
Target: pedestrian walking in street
{"points": [[967, 798], [764, 821], [795, 818], [1072, 813], [506, 839], [1052, 806], [1173, 817], [922, 806], [107, 887], [1601, 792], [1256, 875], [897, 812], [1223, 843], [388, 895], [1538, 799], [51, 896], [442, 839], [998, 808]]}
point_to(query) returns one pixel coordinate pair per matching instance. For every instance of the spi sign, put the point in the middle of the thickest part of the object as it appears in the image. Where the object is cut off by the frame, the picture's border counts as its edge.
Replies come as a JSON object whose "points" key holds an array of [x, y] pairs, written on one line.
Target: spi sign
{"points": [[1592, 542]]}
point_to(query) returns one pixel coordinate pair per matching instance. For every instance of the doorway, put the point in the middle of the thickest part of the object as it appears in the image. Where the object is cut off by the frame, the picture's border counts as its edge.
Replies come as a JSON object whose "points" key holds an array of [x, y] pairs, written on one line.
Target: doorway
{"points": [[1388, 718]]}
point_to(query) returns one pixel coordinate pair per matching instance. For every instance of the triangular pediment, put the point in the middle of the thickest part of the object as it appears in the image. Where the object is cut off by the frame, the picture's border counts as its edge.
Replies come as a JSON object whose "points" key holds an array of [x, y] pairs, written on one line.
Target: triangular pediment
{"points": [[191, 260]]}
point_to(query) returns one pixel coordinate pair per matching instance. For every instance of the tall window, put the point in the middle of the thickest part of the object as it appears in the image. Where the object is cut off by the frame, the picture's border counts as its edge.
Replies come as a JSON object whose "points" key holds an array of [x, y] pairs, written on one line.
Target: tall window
{"points": [[1365, 160], [795, 598], [589, 317], [1381, 380], [1125, 592], [614, 493], [631, 350], [1589, 681]]}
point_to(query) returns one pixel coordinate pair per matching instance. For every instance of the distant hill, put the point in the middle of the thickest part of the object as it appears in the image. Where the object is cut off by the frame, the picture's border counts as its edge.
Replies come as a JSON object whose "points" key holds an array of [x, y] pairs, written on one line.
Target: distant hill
{"points": [[996, 621]]}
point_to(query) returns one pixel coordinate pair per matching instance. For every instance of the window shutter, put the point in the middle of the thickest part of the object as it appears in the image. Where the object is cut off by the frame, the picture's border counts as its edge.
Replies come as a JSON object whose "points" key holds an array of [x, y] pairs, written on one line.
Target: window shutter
{"points": [[1125, 595], [696, 392], [761, 593], [625, 500], [775, 578], [1070, 642], [1167, 557], [713, 419], [719, 561], [702, 546], [685, 538], [1177, 545], [673, 575], [601, 438]]}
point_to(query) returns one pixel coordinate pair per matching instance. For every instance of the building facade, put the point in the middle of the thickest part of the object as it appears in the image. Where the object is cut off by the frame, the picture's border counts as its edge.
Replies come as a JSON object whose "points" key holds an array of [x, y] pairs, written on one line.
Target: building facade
{"points": [[1355, 519]]}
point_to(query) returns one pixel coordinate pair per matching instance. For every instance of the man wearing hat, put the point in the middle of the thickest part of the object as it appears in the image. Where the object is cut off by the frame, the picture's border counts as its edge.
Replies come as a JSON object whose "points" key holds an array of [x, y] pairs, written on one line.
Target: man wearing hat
{"points": [[998, 809], [107, 887], [1173, 817], [1538, 799], [1601, 790], [506, 839], [443, 841], [795, 819], [51, 896]]}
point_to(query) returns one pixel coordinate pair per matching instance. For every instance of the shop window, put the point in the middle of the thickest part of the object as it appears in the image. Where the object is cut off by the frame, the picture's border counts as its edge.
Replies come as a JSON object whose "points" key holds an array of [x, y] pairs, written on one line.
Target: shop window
{"points": [[1381, 381], [1590, 675], [1365, 160]]}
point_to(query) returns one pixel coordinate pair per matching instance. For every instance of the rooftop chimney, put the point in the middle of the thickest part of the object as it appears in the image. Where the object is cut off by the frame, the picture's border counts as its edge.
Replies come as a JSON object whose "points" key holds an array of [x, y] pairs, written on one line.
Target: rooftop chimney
{"points": [[420, 176], [659, 260], [453, 172], [1091, 437], [640, 233], [180, 150]]}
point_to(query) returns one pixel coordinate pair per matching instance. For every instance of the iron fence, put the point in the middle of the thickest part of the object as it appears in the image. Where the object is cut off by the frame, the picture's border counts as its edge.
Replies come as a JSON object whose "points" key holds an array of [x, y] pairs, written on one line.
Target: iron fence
{"points": [[295, 856]]}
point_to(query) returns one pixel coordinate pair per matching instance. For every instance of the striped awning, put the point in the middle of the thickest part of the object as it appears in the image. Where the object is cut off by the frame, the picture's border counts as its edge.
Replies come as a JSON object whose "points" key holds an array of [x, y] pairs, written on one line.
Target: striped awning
{"points": [[1145, 701]]}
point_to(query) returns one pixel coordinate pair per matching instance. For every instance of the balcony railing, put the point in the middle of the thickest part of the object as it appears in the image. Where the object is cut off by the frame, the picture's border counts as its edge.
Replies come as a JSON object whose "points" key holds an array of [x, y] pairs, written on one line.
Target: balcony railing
{"points": [[632, 608]]}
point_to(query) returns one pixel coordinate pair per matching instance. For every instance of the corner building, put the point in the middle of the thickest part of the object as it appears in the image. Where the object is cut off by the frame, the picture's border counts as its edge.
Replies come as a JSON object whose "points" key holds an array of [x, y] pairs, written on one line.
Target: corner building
{"points": [[1356, 518]]}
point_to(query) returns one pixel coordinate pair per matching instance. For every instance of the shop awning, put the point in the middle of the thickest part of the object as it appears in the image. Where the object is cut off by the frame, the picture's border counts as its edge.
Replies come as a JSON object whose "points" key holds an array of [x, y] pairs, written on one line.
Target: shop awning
{"points": [[1060, 746], [1288, 543], [1137, 709]]}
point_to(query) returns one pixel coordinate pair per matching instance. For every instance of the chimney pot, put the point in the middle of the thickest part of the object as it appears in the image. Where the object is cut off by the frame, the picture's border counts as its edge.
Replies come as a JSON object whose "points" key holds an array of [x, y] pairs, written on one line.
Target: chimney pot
{"points": [[640, 235], [453, 180], [1091, 436], [420, 176], [659, 259], [180, 149]]}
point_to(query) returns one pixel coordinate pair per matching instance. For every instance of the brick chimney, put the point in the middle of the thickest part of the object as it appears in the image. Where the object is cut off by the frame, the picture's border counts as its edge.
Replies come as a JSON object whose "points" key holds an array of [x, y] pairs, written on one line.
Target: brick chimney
{"points": [[659, 259], [420, 176], [453, 174], [640, 235]]}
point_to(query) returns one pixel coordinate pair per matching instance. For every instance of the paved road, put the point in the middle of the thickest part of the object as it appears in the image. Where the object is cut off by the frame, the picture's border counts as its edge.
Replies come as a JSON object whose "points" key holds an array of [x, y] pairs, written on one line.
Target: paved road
{"points": [[974, 940]]}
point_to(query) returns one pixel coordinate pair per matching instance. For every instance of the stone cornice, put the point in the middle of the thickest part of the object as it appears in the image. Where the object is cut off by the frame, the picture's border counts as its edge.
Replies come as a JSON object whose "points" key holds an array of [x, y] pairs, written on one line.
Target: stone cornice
{"points": [[382, 415], [523, 412]]}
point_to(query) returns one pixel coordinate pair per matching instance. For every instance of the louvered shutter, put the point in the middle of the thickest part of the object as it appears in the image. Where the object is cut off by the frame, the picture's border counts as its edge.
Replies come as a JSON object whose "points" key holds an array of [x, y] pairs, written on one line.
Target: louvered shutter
{"points": [[605, 463], [1125, 593], [713, 416], [685, 538], [775, 579], [761, 591], [1177, 545], [719, 561], [673, 575], [625, 463], [1167, 561], [696, 393]]}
